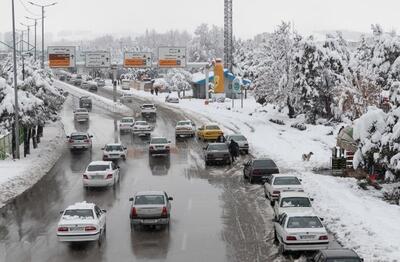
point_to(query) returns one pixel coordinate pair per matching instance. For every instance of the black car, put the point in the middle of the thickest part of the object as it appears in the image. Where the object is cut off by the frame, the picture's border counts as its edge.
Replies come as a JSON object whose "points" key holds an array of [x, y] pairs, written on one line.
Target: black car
{"points": [[62, 78], [256, 170], [217, 153], [336, 255], [85, 102]]}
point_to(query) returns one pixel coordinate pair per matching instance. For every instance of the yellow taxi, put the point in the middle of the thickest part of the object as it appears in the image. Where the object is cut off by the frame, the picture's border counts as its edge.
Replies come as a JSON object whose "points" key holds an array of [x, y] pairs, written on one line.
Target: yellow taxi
{"points": [[209, 132]]}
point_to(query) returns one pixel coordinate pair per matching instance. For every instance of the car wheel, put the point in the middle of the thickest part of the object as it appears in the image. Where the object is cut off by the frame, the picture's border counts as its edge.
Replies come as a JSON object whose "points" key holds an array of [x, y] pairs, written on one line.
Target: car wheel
{"points": [[276, 241], [265, 194], [281, 249], [272, 202], [251, 180], [207, 163], [101, 238]]}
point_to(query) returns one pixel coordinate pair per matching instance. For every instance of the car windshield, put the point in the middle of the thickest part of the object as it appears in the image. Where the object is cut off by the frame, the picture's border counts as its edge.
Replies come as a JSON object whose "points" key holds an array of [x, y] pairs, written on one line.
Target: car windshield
{"points": [[238, 138], [212, 127], [149, 200], [78, 137], [81, 111], [148, 106], [97, 167], [140, 123], [343, 260], [81, 213], [113, 148], [160, 140], [127, 120], [219, 147], [127, 95], [264, 163], [184, 123], [286, 181], [295, 202], [304, 222]]}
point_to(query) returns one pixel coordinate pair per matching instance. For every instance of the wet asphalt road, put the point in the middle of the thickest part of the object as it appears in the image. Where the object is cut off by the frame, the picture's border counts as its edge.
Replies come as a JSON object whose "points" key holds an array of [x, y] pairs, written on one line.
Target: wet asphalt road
{"points": [[216, 216]]}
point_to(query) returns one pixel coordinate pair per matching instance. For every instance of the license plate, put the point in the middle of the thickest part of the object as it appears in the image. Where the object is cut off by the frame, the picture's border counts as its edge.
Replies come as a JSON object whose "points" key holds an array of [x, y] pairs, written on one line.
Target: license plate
{"points": [[150, 221], [218, 158], [307, 237], [97, 176], [75, 228], [159, 147]]}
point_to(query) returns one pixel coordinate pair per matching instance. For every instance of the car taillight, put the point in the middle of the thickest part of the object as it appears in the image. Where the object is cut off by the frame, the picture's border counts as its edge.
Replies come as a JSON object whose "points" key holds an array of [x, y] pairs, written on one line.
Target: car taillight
{"points": [[151, 148], [291, 238], [276, 192], [109, 176], [164, 212], [85, 176], [62, 229], [323, 238], [71, 141], [86, 141], [133, 212], [90, 228]]}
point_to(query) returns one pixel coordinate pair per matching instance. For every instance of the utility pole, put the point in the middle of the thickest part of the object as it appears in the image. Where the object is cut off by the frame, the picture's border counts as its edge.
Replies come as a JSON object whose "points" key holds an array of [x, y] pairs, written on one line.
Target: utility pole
{"points": [[16, 108], [43, 6], [34, 19], [28, 38], [228, 35]]}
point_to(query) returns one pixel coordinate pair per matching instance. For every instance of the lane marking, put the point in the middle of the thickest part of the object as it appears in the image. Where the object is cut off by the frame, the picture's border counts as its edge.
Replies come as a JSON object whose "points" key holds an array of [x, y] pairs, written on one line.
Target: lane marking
{"points": [[184, 240]]}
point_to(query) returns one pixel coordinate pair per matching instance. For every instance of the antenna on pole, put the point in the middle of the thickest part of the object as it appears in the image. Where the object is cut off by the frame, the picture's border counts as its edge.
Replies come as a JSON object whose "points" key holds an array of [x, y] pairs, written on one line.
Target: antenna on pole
{"points": [[228, 35]]}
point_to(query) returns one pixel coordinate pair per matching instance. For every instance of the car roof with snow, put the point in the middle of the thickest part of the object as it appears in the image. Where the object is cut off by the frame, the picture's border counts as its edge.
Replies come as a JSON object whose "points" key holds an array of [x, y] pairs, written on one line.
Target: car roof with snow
{"points": [[99, 163], [78, 133], [141, 121], [284, 175], [145, 193], [81, 205], [305, 213], [128, 117]]}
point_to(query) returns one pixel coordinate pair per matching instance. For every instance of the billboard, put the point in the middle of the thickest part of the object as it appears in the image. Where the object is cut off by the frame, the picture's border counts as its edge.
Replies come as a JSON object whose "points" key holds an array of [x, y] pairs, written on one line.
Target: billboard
{"points": [[98, 59], [219, 83], [61, 56], [171, 57], [138, 59]]}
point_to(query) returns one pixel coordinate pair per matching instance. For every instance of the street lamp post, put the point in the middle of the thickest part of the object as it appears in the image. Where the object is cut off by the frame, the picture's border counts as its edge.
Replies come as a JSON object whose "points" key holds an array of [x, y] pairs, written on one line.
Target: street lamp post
{"points": [[29, 32], [43, 6], [35, 19], [16, 108]]}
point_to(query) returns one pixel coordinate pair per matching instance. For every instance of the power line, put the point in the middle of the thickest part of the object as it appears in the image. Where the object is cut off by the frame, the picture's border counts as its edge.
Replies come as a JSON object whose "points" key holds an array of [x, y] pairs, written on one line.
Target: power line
{"points": [[27, 9]]}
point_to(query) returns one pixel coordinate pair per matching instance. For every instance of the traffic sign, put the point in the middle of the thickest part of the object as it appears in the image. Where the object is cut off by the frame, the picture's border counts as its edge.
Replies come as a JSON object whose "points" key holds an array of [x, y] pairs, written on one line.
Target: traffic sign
{"points": [[236, 85], [97, 59], [171, 57], [61, 56], [138, 59]]}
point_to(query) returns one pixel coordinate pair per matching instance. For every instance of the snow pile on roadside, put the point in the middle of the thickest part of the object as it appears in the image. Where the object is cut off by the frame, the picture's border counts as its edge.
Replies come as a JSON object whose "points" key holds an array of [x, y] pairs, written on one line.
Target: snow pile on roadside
{"points": [[96, 99], [18, 176]]}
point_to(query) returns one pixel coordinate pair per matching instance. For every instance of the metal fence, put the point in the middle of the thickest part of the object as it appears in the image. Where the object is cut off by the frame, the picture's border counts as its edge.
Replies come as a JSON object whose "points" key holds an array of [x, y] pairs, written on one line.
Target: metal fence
{"points": [[5, 146]]}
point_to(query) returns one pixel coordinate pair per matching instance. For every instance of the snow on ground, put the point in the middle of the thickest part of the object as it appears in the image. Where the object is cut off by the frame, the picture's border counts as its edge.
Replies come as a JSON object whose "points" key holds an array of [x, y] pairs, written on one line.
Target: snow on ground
{"points": [[357, 218], [19, 175]]}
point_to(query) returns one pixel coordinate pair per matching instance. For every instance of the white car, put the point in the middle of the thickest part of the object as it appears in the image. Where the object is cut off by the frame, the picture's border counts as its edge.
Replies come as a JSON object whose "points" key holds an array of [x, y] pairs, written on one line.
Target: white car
{"points": [[125, 84], [79, 140], [126, 97], [82, 222], [278, 183], [241, 140], [150, 208], [142, 128], [101, 174], [114, 151], [126, 124], [148, 110], [289, 202], [81, 115], [300, 231], [159, 146], [172, 98], [185, 128]]}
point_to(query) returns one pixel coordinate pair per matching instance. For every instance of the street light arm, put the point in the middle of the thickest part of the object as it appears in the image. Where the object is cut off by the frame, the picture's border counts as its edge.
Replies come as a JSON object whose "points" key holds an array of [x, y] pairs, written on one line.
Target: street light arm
{"points": [[32, 3]]}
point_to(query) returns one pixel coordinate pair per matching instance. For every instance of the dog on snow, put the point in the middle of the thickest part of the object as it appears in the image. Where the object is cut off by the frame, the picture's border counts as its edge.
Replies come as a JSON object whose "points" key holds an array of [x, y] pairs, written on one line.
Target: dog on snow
{"points": [[306, 157]]}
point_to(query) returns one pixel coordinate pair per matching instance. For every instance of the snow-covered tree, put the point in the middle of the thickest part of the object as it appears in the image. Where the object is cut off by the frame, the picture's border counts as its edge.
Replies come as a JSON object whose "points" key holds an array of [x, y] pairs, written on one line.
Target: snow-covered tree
{"points": [[207, 43]]}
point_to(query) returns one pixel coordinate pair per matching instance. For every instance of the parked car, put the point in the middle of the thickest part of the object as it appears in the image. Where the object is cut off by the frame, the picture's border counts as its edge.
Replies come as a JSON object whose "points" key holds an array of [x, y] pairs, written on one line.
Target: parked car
{"points": [[276, 184], [209, 132], [62, 78], [92, 86], [185, 128], [241, 140], [336, 255], [257, 170], [77, 80], [114, 151], [100, 82], [126, 97], [82, 222], [159, 146], [148, 110], [81, 115], [79, 140], [142, 128], [217, 153], [85, 84], [300, 232], [125, 84], [85, 102], [150, 208], [289, 202], [126, 124], [101, 174], [172, 98]]}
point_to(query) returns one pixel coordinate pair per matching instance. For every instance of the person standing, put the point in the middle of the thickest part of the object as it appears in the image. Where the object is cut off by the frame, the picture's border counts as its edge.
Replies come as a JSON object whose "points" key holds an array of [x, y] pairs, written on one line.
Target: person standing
{"points": [[156, 90], [232, 150], [152, 90]]}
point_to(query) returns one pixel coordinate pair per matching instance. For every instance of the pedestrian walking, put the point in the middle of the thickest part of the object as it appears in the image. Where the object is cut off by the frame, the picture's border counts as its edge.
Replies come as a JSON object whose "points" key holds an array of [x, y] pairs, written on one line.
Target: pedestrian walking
{"points": [[233, 150], [152, 91], [156, 90], [221, 139]]}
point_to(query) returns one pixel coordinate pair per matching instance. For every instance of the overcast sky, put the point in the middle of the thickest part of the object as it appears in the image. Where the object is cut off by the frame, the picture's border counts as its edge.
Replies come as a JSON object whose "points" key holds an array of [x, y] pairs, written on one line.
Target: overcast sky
{"points": [[250, 16]]}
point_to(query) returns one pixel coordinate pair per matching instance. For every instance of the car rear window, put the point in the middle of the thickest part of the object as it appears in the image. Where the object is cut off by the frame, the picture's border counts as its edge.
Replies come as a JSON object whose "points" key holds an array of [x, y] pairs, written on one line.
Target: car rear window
{"points": [[159, 141], [264, 163], [81, 213], [113, 148], [81, 111], [148, 106], [213, 127], [79, 137], [149, 200], [217, 147], [304, 222], [140, 123], [184, 123], [280, 181], [295, 202], [126, 120], [97, 167], [238, 138]]}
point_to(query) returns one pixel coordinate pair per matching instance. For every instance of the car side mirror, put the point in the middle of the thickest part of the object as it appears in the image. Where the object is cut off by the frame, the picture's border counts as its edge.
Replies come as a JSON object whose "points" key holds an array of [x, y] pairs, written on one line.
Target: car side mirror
{"points": [[170, 198], [118, 167], [169, 141], [204, 148], [125, 148], [102, 148], [91, 136], [321, 218], [300, 180], [274, 220], [312, 199], [131, 199], [61, 212], [104, 211], [68, 136]]}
